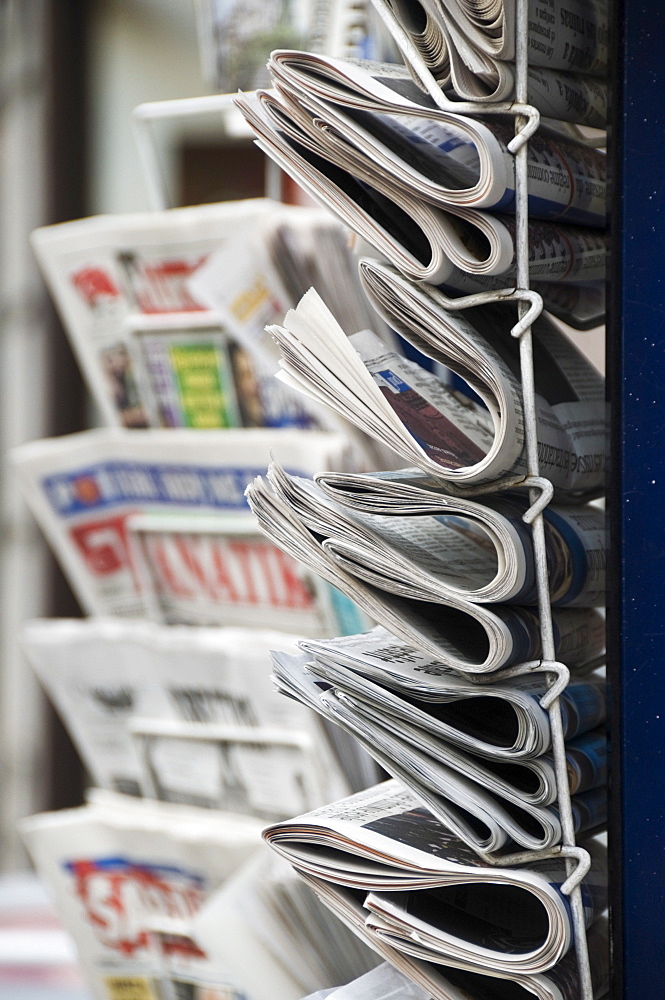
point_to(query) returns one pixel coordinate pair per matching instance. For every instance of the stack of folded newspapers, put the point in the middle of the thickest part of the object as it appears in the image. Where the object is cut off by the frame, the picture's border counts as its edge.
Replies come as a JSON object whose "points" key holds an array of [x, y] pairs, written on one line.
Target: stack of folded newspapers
{"points": [[432, 190], [456, 926], [447, 691]]}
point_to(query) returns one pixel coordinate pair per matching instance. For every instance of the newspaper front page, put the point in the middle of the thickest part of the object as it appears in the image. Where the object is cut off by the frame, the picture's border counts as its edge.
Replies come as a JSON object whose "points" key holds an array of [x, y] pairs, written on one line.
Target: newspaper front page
{"points": [[83, 488]]}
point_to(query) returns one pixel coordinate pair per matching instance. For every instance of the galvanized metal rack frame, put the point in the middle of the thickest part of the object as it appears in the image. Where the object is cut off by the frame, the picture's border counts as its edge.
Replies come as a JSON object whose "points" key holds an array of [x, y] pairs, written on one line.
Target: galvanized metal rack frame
{"points": [[530, 306]]}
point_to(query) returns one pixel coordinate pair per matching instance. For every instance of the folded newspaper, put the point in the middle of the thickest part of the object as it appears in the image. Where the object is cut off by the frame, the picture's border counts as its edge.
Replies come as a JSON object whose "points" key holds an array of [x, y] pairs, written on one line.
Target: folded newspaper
{"points": [[83, 488], [467, 52], [409, 492], [479, 551], [561, 982], [433, 427], [500, 720], [430, 896], [373, 121], [490, 805], [426, 243], [463, 635], [411, 979]]}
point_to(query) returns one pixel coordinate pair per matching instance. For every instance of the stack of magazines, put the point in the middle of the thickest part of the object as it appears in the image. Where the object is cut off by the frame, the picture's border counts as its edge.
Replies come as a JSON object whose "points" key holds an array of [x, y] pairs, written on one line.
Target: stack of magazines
{"points": [[447, 692]]}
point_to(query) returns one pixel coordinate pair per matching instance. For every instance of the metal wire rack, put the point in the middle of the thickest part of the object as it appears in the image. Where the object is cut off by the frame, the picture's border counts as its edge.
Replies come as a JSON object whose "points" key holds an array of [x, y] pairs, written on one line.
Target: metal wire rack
{"points": [[530, 305]]}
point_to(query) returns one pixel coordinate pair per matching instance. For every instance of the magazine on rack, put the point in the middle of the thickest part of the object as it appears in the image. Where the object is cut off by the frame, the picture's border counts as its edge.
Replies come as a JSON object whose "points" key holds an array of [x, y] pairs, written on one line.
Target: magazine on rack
{"points": [[108, 677], [427, 243], [83, 488], [487, 803], [470, 637], [429, 895], [463, 52], [104, 269], [428, 423], [439, 982], [480, 551]]}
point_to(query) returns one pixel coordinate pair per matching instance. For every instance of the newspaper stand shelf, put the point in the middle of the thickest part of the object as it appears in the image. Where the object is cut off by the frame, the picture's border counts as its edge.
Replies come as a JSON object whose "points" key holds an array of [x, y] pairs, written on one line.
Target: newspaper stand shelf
{"points": [[530, 306]]}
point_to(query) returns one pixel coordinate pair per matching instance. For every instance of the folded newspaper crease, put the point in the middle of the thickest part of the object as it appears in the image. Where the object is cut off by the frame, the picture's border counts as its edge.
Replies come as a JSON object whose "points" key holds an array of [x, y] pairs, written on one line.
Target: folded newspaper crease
{"points": [[487, 804], [447, 983], [472, 637], [466, 51], [431, 897], [434, 428], [481, 552], [425, 242], [371, 119], [496, 719]]}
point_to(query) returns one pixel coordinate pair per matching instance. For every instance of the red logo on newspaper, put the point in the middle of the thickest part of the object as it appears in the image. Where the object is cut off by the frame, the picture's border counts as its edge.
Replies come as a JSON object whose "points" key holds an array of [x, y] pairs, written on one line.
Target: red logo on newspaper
{"points": [[241, 571], [103, 545], [94, 285], [161, 286], [120, 896]]}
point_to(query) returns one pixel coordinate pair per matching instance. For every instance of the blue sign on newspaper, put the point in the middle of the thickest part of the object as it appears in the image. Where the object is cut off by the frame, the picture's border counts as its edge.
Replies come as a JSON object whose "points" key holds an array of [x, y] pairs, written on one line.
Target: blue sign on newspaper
{"points": [[111, 484]]}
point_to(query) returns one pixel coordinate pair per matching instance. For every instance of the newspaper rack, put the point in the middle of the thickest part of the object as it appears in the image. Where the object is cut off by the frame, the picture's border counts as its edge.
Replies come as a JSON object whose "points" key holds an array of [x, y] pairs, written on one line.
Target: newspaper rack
{"points": [[530, 305]]}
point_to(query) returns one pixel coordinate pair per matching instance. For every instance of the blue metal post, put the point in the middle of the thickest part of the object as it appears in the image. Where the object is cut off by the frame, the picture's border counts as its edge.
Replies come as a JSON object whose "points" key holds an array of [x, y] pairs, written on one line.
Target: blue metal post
{"points": [[636, 349]]}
